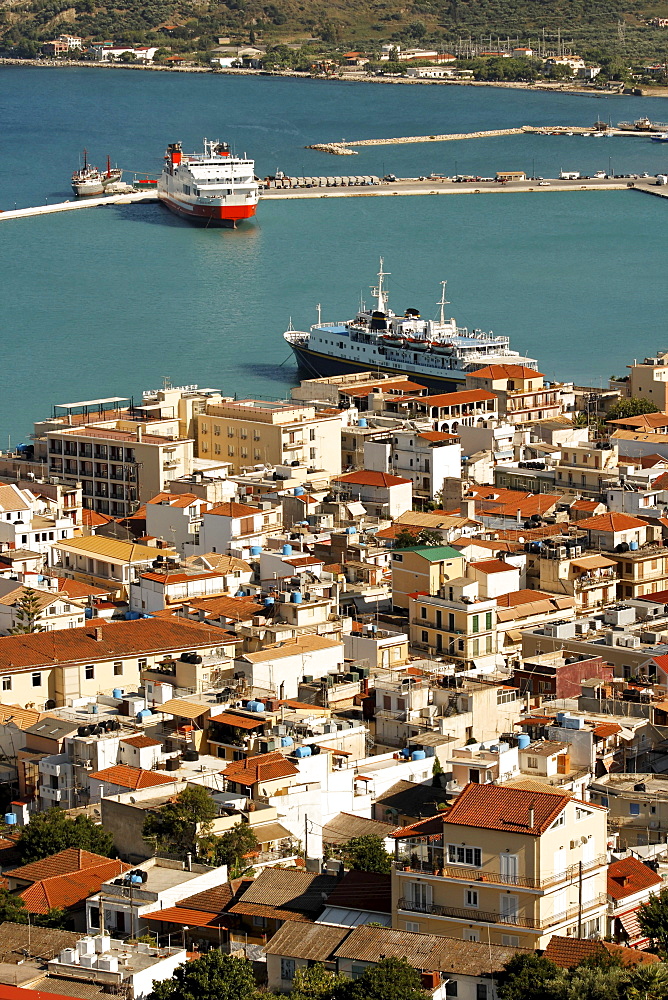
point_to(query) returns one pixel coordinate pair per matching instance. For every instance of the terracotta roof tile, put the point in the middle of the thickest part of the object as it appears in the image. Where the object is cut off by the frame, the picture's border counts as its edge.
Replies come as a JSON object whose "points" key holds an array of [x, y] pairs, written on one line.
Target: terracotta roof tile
{"points": [[65, 891], [493, 566], [142, 741], [231, 509], [567, 952], [428, 827], [72, 859], [367, 477], [495, 807], [611, 521], [131, 777], [287, 889], [458, 398], [237, 609], [505, 371], [263, 767], [363, 891], [629, 876]]}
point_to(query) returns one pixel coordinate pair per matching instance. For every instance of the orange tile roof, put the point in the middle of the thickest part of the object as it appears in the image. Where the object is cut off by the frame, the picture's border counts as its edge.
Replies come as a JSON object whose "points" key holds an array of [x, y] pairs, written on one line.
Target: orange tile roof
{"points": [[72, 859], [176, 499], [367, 477], [567, 952], [142, 741], [77, 590], [493, 566], [117, 639], [231, 509], [264, 767], [505, 371], [629, 876], [92, 519], [430, 826], [495, 807], [606, 729], [131, 777], [438, 436], [61, 892], [611, 521], [167, 578], [522, 597], [586, 505], [235, 608], [239, 721], [458, 398], [187, 917]]}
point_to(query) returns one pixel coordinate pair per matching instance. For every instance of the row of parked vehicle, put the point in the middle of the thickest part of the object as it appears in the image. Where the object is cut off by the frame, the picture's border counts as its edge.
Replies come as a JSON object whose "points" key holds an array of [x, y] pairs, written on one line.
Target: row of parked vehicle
{"points": [[315, 182]]}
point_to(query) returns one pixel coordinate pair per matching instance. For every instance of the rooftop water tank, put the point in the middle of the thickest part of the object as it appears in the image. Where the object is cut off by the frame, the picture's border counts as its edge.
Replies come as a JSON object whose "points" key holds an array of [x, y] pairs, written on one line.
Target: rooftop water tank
{"points": [[287, 550], [303, 752], [418, 755], [250, 706], [352, 530], [633, 546], [256, 550], [560, 718], [259, 706], [299, 491], [405, 753], [523, 741], [286, 741], [362, 422], [10, 819], [136, 879], [296, 597], [268, 602], [68, 956], [117, 693], [145, 713], [240, 593]]}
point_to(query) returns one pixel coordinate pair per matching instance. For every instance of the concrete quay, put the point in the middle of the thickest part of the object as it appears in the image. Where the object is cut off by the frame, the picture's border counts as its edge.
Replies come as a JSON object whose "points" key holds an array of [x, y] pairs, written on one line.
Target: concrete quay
{"points": [[73, 206]]}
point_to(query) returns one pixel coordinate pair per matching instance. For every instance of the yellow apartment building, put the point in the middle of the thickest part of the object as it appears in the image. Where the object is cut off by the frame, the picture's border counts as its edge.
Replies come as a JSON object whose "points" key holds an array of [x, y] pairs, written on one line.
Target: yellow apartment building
{"points": [[251, 432], [423, 569], [504, 866], [456, 623]]}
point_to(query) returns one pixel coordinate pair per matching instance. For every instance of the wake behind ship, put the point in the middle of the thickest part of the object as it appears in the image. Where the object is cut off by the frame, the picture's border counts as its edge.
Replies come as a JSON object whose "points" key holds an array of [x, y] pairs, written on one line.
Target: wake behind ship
{"points": [[213, 188], [438, 352]]}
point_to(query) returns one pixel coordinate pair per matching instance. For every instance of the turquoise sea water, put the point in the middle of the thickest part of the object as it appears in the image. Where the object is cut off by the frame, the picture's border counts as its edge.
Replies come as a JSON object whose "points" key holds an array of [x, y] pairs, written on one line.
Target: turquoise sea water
{"points": [[107, 301]]}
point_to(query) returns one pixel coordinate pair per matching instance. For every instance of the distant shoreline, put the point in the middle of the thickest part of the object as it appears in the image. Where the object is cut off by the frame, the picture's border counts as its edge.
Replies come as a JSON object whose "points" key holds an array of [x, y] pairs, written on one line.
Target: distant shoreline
{"points": [[543, 87]]}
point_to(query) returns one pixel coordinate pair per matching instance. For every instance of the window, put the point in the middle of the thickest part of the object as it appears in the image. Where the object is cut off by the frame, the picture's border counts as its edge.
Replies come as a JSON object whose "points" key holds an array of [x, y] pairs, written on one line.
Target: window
{"points": [[412, 927], [118, 668], [475, 623], [559, 821], [481, 991], [423, 612], [425, 636], [141, 664], [488, 619], [451, 988], [90, 672], [36, 680], [510, 940], [259, 921], [471, 897], [532, 762], [634, 809], [471, 935], [6, 684], [397, 558], [462, 855], [288, 969], [581, 813]]}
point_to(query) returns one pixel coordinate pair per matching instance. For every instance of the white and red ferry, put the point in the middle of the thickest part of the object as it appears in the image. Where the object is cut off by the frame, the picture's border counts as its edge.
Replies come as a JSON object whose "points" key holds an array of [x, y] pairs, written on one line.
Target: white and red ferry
{"points": [[213, 187]]}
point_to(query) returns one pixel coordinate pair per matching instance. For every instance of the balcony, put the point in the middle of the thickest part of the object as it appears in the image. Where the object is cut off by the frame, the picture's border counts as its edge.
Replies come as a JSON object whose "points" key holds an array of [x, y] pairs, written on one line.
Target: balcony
{"points": [[473, 915], [587, 581], [471, 875]]}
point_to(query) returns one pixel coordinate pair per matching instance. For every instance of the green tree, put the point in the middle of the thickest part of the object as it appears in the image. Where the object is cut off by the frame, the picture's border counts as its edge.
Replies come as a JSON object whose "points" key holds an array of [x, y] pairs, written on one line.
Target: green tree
{"points": [[648, 982], [27, 613], [406, 538], [12, 908], [391, 979], [437, 771], [213, 977], [529, 977], [315, 983], [591, 983], [231, 847], [653, 920], [180, 825], [632, 407], [367, 854], [52, 831]]}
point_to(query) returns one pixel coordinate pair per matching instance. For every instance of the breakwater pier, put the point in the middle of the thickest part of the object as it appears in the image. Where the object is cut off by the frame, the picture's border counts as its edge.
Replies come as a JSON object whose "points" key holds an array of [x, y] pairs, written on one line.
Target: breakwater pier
{"points": [[133, 197]]}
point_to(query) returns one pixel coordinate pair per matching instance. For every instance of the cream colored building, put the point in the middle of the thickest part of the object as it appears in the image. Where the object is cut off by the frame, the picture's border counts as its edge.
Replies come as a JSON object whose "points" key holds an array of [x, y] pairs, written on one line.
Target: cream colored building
{"points": [[590, 579], [424, 569], [649, 380], [56, 611], [108, 562], [505, 866], [250, 432], [457, 624], [586, 467]]}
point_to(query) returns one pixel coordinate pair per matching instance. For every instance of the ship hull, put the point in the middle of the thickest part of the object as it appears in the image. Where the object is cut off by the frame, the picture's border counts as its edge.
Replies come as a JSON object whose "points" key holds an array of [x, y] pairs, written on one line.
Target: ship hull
{"points": [[224, 216], [313, 364]]}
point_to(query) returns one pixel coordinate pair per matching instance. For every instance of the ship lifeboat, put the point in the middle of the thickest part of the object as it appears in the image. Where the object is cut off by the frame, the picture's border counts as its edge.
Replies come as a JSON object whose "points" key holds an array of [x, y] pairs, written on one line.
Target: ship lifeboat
{"points": [[444, 348]]}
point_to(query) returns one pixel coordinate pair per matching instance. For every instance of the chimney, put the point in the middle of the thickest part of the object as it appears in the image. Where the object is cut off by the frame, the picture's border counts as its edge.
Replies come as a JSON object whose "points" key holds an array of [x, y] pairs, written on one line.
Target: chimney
{"points": [[139, 432], [519, 517], [532, 816], [98, 634], [189, 862]]}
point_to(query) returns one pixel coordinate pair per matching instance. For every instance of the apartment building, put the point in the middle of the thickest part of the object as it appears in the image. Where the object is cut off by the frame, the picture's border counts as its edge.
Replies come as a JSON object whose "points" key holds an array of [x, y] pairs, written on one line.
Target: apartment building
{"points": [[522, 392], [424, 457], [505, 866], [32, 522], [423, 569], [176, 517], [55, 610], [458, 624], [566, 569], [379, 493], [649, 380], [642, 560], [107, 562], [587, 467], [251, 431]]}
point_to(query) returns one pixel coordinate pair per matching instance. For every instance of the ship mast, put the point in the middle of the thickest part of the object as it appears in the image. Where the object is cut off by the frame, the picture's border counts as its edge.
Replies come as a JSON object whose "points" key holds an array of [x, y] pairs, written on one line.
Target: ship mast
{"points": [[442, 302], [379, 291]]}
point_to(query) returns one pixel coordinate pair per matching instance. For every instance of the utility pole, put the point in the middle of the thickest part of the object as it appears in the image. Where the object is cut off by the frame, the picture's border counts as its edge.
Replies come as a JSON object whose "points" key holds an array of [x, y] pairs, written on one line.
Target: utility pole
{"points": [[579, 899], [305, 836]]}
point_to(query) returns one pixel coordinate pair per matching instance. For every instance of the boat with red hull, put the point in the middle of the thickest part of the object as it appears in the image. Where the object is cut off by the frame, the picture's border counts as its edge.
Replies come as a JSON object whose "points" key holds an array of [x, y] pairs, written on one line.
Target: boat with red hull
{"points": [[212, 188]]}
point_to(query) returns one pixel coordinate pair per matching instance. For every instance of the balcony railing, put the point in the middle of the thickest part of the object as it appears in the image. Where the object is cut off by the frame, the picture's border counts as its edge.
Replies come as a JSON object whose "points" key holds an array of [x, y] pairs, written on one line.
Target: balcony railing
{"points": [[470, 875], [472, 914]]}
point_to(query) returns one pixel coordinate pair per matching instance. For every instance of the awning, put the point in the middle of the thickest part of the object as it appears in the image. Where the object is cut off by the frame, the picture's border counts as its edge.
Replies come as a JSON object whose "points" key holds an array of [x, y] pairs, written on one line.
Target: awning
{"points": [[338, 916], [356, 509], [185, 917], [184, 709], [513, 635], [631, 924], [270, 832]]}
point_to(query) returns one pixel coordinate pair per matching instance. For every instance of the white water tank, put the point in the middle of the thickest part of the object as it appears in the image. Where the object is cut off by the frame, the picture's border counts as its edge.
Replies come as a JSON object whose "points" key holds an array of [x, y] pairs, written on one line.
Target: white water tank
{"points": [[107, 963], [88, 961], [86, 946], [102, 943], [69, 956]]}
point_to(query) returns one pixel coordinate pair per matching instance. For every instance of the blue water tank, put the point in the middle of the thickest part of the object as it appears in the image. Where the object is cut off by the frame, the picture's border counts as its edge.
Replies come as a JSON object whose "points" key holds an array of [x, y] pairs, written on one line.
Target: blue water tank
{"points": [[287, 550], [145, 713], [418, 755], [296, 597], [560, 718], [303, 752], [88, 613], [286, 741], [256, 550], [299, 491], [523, 741], [240, 593], [268, 602], [259, 706], [405, 753], [117, 693], [250, 706], [362, 422], [633, 546], [136, 879], [10, 819], [94, 709], [352, 530]]}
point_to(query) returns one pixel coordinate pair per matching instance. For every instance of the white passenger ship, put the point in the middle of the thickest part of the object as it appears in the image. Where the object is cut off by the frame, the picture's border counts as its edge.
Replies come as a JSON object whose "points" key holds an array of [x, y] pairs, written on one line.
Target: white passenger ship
{"points": [[213, 188], [438, 352]]}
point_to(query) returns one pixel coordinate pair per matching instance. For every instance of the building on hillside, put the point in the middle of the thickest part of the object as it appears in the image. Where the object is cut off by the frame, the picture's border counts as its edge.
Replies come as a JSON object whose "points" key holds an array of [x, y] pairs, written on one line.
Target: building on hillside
{"points": [[379, 493], [279, 670], [558, 674], [31, 522], [101, 561], [55, 610], [565, 569], [649, 380], [587, 467], [502, 867], [642, 560], [176, 517], [522, 393], [630, 885], [458, 624], [235, 528], [250, 431], [423, 569], [424, 457]]}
